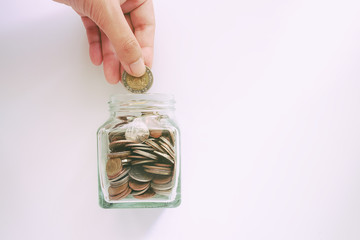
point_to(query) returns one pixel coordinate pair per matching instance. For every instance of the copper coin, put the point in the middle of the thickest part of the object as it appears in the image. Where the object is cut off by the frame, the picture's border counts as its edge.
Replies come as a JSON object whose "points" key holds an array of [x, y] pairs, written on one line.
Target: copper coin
{"points": [[143, 148], [155, 133], [148, 194], [122, 195], [119, 144], [138, 186], [113, 191], [162, 179], [135, 193], [113, 167], [123, 154], [163, 165]]}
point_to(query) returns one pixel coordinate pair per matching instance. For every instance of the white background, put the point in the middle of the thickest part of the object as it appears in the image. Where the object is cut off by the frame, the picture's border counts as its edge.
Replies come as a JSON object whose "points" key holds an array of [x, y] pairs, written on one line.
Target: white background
{"points": [[268, 100]]}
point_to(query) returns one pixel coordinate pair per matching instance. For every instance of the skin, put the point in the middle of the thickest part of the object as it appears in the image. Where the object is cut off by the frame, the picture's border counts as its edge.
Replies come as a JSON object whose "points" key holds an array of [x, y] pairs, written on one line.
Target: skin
{"points": [[120, 34]]}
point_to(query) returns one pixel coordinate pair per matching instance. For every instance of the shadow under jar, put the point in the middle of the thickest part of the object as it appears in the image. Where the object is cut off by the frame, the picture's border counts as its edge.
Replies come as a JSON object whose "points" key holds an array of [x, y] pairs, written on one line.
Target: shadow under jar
{"points": [[139, 153]]}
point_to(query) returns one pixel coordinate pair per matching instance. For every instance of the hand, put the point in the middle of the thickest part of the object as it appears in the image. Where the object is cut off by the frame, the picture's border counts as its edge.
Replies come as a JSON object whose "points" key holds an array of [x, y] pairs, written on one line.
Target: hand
{"points": [[120, 34]]}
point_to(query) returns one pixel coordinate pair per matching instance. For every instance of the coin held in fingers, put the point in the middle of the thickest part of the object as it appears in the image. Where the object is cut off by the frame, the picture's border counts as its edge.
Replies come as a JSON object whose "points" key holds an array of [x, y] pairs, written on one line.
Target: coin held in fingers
{"points": [[138, 84]]}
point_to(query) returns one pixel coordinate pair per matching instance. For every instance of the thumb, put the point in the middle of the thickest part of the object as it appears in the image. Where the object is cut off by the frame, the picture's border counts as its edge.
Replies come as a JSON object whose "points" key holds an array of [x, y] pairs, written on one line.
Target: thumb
{"points": [[113, 23]]}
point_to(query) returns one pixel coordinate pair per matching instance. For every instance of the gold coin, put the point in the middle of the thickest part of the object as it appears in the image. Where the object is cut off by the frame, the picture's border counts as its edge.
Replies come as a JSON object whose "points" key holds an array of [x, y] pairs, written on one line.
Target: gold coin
{"points": [[138, 84]]}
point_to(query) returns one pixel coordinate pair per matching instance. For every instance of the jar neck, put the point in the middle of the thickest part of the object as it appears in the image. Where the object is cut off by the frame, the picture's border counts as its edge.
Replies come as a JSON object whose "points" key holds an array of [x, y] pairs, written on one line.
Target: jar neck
{"points": [[123, 104]]}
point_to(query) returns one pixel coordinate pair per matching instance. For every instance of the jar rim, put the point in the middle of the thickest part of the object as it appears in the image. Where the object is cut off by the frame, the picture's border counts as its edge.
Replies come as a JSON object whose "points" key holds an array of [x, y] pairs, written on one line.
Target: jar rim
{"points": [[125, 97]]}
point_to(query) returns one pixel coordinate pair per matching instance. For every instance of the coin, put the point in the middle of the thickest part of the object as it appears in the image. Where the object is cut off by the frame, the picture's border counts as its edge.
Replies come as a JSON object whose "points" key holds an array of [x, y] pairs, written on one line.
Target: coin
{"points": [[119, 154], [157, 167], [146, 154], [123, 173], [113, 191], [136, 157], [163, 192], [138, 84], [137, 131], [139, 174], [153, 144], [136, 145], [138, 186], [163, 165], [135, 193], [167, 149], [162, 179], [155, 133], [143, 148], [166, 186], [113, 167], [165, 140], [119, 144], [148, 194], [120, 182], [166, 156], [158, 171], [137, 162], [122, 195]]}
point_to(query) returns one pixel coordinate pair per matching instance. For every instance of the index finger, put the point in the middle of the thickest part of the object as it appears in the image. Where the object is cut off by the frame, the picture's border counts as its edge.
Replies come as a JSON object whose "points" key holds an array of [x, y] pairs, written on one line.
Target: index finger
{"points": [[143, 21]]}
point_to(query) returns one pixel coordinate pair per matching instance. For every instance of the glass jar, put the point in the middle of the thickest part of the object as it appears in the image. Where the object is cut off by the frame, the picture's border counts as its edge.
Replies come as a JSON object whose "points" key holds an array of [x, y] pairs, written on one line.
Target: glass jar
{"points": [[139, 153]]}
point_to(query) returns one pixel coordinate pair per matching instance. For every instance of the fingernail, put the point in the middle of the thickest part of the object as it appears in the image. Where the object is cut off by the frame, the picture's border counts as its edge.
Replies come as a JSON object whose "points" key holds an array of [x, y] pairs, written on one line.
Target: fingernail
{"points": [[138, 68]]}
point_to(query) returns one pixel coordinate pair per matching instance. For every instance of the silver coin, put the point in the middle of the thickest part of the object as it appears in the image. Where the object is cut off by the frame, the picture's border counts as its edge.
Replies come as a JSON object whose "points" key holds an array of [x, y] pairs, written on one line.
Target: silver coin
{"points": [[136, 145], [123, 161], [135, 193], [168, 143], [137, 173], [120, 182], [167, 149], [154, 145], [172, 136], [163, 192], [137, 162], [137, 131], [162, 187], [164, 155], [158, 171], [157, 167], [146, 154], [143, 148]]}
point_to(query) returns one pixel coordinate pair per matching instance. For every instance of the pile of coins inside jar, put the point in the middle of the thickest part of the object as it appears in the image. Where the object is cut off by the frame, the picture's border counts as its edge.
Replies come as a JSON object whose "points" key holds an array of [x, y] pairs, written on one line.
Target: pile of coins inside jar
{"points": [[141, 159]]}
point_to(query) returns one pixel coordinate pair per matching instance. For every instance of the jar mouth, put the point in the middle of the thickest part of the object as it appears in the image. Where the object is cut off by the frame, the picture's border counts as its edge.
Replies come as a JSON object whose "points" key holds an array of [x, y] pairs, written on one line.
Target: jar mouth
{"points": [[147, 101]]}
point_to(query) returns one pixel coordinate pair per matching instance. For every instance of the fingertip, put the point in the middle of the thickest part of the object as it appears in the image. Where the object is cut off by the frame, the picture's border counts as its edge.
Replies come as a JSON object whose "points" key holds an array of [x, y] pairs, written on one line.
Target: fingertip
{"points": [[111, 72], [95, 54], [137, 68]]}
